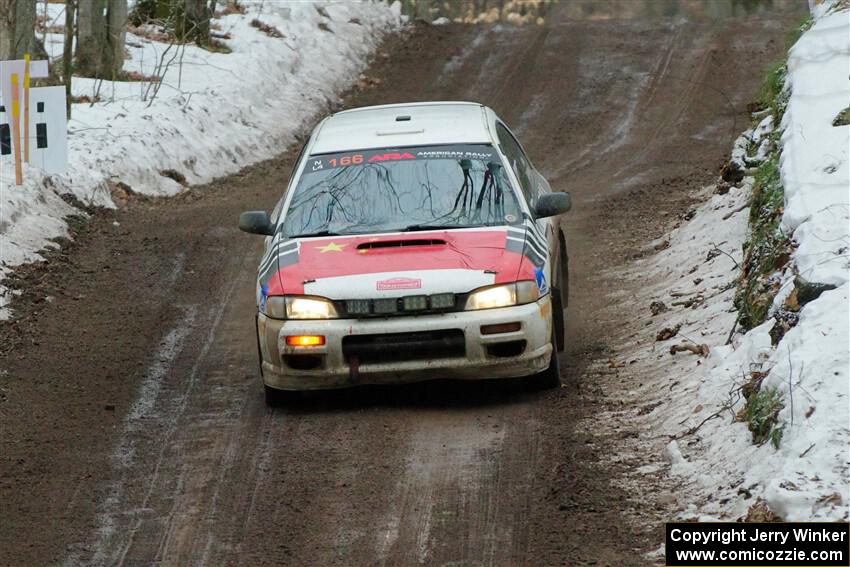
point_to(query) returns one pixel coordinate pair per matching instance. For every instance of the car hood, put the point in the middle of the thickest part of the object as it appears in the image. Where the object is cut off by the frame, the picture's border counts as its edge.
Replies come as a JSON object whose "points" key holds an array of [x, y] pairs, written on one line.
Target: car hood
{"points": [[394, 265]]}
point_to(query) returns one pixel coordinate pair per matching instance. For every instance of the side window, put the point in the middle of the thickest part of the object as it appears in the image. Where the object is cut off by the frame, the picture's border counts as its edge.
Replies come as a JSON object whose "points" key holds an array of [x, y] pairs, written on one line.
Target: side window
{"points": [[518, 161]]}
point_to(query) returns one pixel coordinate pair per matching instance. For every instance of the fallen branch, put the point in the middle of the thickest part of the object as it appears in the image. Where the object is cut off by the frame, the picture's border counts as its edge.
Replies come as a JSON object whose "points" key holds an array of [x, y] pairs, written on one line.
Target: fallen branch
{"points": [[790, 386], [734, 396], [696, 428], [667, 333], [693, 302], [267, 29], [736, 211], [681, 293], [714, 252], [701, 350], [732, 331]]}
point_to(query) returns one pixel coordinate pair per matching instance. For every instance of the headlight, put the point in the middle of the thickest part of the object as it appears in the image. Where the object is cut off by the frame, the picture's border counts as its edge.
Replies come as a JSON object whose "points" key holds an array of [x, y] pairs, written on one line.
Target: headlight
{"points": [[299, 307], [503, 295], [274, 307], [309, 308]]}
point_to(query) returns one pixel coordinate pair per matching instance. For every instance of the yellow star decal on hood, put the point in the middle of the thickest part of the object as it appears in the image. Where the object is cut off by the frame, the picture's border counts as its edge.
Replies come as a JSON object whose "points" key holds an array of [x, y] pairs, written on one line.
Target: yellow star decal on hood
{"points": [[331, 247]]}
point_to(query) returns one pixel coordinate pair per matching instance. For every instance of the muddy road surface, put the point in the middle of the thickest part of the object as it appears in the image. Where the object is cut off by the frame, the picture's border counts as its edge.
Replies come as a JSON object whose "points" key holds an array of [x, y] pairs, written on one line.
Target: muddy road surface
{"points": [[134, 430]]}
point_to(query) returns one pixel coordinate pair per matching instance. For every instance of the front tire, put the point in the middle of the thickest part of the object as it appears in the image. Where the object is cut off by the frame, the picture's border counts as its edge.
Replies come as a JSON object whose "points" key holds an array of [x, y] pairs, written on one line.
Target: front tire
{"points": [[560, 299]]}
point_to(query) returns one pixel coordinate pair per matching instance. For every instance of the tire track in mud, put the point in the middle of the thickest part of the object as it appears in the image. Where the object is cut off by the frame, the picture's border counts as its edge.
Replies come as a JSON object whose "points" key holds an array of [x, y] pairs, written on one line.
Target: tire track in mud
{"points": [[121, 520], [451, 504], [437, 473]]}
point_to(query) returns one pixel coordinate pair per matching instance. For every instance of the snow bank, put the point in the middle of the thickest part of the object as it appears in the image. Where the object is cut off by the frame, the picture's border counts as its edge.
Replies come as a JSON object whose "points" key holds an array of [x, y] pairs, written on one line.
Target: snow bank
{"points": [[696, 402], [691, 401], [815, 170], [215, 112]]}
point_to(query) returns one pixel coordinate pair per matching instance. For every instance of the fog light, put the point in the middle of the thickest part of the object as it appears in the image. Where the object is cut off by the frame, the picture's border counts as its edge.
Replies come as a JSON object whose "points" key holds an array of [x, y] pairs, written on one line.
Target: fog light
{"points": [[305, 340], [415, 302], [442, 300], [500, 328], [384, 306], [357, 306]]}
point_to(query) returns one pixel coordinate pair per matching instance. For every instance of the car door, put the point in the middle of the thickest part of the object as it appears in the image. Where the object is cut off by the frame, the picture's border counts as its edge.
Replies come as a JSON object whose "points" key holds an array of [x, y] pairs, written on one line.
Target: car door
{"points": [[532, 185]]}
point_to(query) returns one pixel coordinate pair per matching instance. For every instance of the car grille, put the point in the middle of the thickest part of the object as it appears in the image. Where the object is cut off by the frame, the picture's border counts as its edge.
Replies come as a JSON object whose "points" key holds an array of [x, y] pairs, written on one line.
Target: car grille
{"points": [[400, 306], [399, 347]]}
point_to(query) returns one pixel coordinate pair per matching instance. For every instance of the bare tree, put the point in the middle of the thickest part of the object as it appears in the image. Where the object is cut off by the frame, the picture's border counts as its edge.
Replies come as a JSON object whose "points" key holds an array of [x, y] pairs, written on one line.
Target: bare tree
{"points": [[67, 51], [17, 30], [101, 29]]}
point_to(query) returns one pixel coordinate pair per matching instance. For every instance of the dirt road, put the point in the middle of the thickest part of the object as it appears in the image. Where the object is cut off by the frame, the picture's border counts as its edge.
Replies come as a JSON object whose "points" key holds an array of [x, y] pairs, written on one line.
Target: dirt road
{"points": [[133, 426]]}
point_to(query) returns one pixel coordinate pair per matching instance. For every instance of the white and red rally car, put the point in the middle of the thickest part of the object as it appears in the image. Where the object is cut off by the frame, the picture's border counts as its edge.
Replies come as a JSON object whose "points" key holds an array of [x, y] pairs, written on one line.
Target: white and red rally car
{"points": [[414, 241]]}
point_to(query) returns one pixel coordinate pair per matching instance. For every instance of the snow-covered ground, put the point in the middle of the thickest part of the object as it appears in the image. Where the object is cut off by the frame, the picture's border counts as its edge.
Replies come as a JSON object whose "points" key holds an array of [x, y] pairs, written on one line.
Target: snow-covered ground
{"points": [[214, 114], [815, 168], [694, 401]]}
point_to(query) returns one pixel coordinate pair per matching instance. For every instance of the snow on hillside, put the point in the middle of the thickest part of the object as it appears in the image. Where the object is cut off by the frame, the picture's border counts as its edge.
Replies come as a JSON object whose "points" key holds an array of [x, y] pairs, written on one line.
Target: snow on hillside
{"points": [[815, 169], [214, 114], [694, 400]]}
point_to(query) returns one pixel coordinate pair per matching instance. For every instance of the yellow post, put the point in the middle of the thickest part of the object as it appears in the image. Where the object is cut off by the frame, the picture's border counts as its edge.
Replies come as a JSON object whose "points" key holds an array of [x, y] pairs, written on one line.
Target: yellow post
{"points": [[27, 107], [16, 129]]}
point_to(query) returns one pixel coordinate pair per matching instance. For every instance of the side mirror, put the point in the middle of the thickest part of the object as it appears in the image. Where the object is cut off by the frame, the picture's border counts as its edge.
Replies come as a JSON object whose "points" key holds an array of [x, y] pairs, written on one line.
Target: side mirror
{"points": [[552, 204], [256, 222]]}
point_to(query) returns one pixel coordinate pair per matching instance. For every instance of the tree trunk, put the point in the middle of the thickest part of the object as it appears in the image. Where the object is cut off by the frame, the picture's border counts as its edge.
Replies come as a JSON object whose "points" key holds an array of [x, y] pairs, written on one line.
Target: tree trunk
{"points": [[91, 37], [17, 29], [101, 29], [67, 52], [197, 25], [116, 21]]}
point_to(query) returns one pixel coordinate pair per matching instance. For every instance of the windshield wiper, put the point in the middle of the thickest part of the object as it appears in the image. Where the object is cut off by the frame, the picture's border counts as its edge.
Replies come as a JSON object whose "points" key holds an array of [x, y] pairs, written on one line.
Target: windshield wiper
{"points": [[418, 227], [409, 228], [314, 234]]}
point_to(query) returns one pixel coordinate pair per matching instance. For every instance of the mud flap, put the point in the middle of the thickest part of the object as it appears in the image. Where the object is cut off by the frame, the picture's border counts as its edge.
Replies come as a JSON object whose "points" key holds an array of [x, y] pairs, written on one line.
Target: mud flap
{"points": [[354, 369], [259, 350], [558, 320]]}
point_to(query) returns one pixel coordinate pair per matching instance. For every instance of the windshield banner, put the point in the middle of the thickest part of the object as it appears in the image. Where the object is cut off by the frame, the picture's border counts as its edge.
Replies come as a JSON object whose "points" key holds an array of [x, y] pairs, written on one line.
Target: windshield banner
{"points": [[323, 162]]}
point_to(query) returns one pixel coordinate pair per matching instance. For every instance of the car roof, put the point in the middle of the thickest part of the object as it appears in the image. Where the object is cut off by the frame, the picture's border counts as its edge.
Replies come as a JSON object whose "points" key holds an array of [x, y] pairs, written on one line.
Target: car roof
{"points": [[399, 125]]}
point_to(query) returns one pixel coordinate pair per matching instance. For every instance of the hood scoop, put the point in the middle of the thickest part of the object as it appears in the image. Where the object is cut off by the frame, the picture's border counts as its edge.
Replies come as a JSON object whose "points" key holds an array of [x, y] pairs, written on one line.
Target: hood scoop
{"points": [[405, 243]]}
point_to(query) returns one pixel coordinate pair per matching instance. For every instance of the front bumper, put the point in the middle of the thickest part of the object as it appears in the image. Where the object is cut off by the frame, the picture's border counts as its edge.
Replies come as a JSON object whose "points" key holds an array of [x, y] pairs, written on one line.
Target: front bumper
{"points": [[478, 356]]}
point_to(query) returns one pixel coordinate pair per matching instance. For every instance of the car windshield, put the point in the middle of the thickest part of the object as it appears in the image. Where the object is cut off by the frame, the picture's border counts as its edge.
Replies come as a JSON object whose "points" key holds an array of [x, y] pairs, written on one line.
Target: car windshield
{"points": [[402, 189]]}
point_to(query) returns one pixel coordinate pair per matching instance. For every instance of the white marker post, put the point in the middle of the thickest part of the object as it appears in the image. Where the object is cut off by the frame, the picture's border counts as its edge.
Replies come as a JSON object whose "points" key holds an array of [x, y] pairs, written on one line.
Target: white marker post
{"points": [[49, 151], [15, 93]]}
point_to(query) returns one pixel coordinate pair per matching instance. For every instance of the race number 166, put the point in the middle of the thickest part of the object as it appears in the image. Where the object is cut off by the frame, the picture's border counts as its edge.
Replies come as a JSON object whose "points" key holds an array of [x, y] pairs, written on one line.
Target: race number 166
{"points": [[346, 160]]}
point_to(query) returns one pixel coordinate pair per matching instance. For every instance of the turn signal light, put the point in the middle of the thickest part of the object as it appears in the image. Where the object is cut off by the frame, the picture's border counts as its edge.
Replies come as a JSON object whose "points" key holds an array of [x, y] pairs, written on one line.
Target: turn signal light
{"points": [[305, 340], [500, 328]]}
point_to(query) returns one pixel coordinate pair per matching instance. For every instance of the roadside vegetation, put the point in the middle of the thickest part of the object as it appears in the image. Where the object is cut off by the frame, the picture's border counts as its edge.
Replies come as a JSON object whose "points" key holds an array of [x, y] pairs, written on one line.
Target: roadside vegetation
{"points": [[767, 249], [776, 337], [767, 253], [761, 411]]}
